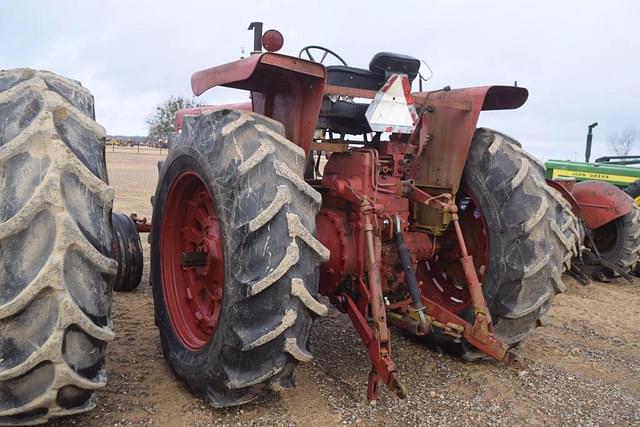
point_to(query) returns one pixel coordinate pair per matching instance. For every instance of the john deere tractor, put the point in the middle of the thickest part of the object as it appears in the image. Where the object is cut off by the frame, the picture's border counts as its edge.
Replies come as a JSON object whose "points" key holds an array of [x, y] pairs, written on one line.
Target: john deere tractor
{"points": [[612, 234]]}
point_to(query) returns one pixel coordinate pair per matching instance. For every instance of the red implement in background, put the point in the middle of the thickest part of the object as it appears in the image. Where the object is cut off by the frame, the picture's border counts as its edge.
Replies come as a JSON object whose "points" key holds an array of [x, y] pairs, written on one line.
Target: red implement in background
{"points": [[601, 202]]}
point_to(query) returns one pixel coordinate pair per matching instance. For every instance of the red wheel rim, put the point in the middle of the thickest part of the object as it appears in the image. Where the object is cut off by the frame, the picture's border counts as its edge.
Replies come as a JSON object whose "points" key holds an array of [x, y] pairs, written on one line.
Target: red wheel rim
{"points": [[442, 277], [192, 261]]}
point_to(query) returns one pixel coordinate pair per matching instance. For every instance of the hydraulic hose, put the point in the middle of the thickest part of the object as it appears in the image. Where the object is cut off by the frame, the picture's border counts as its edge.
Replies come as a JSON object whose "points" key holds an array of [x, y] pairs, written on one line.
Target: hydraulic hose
{"points": [[409, 273]]}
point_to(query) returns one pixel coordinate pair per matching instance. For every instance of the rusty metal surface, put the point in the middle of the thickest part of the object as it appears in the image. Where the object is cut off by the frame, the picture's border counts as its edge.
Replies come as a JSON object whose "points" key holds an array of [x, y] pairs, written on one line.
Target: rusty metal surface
{"points": [[601, 202], [448, 124], [142, 225], [284, 88], [334, 232], [292, 63], [330, 147], [349, 91], [449, 119], [363, 190], [237, 74], [224, 75]]}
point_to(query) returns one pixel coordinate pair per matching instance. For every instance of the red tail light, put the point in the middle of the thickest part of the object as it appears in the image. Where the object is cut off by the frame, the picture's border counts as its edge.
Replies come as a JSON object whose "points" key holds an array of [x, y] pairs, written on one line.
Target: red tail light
{"points": [[272, 40]]}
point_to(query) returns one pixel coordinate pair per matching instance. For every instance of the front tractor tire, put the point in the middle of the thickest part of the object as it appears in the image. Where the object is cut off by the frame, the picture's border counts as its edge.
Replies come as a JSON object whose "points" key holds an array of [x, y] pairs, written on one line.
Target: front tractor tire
{"points": [[532, 233], [55, 248], [234, 257]]}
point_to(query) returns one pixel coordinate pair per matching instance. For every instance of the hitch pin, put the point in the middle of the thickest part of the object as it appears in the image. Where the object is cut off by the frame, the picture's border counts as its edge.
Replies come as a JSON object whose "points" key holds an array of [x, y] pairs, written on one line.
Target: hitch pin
{"points": [[409, 274]]}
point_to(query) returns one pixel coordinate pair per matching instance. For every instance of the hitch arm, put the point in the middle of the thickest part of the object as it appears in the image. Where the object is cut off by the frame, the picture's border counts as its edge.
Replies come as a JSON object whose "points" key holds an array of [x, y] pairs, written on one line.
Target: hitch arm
{"points": [[483, 317], [370, 303], [480, 334], [382, 366]]}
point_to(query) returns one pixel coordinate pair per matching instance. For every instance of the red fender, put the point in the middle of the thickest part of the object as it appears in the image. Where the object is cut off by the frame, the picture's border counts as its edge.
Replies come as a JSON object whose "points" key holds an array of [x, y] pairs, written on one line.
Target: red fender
{"points": [[600, 202], [446, 130], [282, 87], [447, 127]]}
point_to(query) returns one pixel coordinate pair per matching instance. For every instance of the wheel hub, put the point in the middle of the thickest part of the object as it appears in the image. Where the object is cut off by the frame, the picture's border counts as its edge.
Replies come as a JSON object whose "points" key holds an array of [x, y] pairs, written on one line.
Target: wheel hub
{"points": [[192, 260]]}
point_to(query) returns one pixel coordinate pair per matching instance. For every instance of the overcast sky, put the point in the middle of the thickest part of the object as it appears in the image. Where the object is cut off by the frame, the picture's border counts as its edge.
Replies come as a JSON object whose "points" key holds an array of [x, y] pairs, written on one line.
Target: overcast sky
{"points": [[580, 60]]}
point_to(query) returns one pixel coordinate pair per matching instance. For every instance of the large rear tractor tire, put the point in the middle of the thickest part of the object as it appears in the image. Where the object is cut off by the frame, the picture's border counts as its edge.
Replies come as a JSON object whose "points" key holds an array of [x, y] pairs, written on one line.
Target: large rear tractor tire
{"points": [[234, 259], [618, 241], [55, 248], [530, 230]]}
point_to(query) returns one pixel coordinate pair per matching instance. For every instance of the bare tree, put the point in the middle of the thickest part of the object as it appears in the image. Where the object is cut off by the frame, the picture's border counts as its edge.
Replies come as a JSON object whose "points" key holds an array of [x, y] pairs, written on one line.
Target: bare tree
{"points": [[162, 120], [622, 143]]}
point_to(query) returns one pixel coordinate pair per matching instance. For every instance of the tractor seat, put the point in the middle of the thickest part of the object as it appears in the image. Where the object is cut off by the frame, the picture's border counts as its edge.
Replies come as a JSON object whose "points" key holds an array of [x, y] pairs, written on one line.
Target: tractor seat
{"points": [[381, 64]]}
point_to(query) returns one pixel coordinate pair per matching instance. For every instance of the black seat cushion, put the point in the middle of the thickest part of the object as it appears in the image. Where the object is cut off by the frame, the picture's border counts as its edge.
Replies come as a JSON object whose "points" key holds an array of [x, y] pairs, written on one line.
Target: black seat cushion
{"points": [[372, 79], [387, 62], [357, 78]]}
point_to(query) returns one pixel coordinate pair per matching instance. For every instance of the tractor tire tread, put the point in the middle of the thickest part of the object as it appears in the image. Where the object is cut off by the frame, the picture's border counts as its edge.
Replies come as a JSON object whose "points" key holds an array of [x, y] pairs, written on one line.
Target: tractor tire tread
{"points": [[55, 248], [533, 238], [627, 251], [268, 216]]}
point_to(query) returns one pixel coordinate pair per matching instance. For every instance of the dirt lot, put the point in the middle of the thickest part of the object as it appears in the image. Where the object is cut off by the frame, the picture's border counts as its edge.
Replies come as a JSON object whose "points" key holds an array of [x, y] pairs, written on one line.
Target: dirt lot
{"points": [[581, 368]]}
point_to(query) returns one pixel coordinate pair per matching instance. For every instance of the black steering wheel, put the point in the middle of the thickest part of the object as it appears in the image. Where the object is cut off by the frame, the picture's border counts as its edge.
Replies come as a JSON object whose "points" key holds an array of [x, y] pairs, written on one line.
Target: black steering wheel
{"points": [[307, 50]]}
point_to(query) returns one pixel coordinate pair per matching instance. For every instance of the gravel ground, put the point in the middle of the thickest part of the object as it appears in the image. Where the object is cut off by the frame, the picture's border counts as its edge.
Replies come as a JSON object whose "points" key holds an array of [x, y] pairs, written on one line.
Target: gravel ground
{"points": [[581, 368]]}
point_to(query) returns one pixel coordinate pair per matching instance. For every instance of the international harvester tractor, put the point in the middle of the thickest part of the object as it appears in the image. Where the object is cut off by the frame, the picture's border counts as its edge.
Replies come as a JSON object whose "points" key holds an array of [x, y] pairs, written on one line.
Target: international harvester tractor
{"points": [[331, 181]]}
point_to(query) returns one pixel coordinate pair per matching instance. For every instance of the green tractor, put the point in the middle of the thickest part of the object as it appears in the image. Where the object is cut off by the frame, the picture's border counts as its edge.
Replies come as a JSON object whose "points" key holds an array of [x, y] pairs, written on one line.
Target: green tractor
{"points": [[613, 236], [616, 170], [613, 172]]}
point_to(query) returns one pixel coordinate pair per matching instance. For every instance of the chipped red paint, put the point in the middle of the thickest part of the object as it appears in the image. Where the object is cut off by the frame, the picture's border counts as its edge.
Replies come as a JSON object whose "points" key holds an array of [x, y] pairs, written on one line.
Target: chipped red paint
{"points": [[449, 123], [357, 197], [284, 88]]}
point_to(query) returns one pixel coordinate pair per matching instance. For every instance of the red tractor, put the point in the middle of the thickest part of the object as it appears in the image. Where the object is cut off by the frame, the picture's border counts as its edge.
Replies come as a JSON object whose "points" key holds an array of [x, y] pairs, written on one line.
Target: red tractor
{"points": [[332, 180], [417, 219]]}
